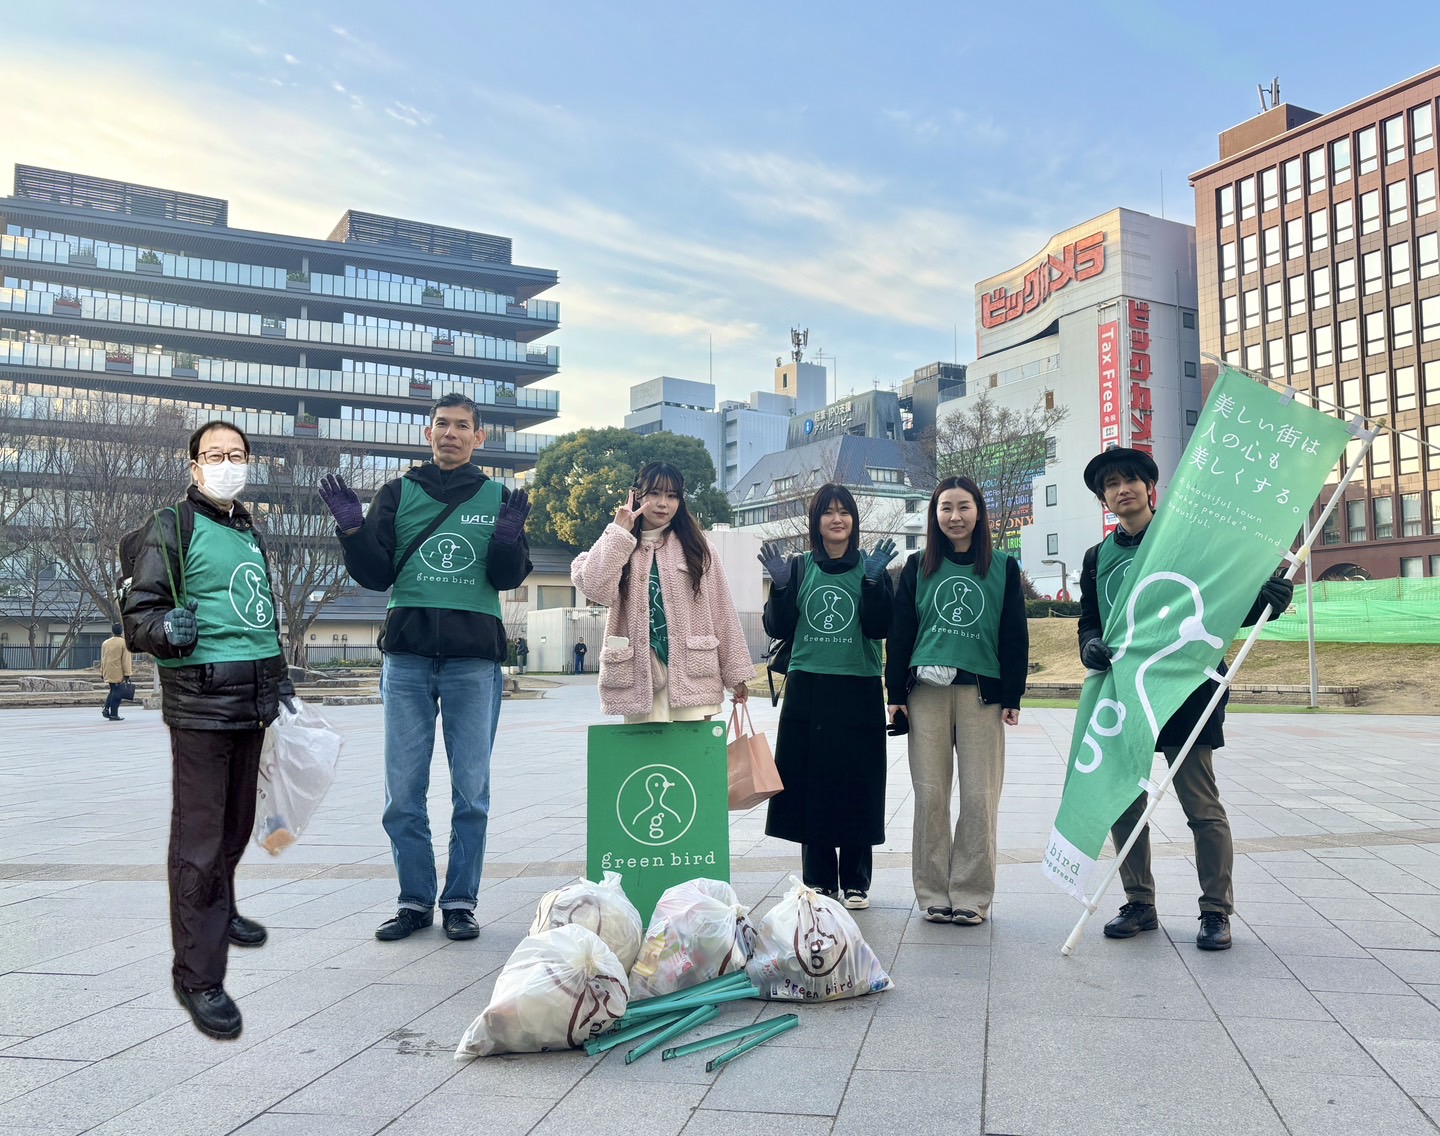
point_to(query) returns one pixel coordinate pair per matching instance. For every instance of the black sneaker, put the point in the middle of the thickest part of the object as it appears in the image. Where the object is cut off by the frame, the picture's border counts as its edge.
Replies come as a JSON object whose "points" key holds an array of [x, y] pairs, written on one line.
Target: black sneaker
{"points": [[460, 924], [967, 918], [245, 932], [406, 922], [213, 1011], [1214, 932], [856, 900], [938, 915], [1133, 918]]}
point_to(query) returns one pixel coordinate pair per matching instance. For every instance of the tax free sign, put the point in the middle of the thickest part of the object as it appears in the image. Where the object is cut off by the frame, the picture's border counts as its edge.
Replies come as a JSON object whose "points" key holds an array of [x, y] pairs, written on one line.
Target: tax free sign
{"points": [[1255, 463]]}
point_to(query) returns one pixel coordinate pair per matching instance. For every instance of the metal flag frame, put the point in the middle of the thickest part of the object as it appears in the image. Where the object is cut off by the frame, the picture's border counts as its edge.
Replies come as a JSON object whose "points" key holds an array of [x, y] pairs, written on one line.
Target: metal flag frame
{"points": [[1366, 433]]}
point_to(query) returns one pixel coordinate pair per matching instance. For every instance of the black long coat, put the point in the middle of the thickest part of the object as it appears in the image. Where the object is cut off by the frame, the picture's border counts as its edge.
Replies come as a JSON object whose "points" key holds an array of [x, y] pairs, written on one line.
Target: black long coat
{"points": [[831, 746]]}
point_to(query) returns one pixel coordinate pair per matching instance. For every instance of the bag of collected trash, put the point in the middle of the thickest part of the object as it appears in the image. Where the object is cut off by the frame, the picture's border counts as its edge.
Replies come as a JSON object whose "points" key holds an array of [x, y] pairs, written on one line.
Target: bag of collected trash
{"points": [[698, 931], [603, 908], [560, 988], [297, 767], [808, 949]]}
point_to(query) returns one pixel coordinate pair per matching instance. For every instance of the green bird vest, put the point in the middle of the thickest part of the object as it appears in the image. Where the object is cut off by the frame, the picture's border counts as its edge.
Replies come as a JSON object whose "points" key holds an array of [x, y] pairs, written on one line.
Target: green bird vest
{"points": [[959, 617], [828, 639], [659, 625], [1112, 572], [448, 569], [224, 573]]}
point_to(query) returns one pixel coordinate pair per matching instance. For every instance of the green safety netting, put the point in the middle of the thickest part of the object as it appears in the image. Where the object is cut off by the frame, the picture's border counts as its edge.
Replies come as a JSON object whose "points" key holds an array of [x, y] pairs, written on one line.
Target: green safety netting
{"points": [[1405, 610]]}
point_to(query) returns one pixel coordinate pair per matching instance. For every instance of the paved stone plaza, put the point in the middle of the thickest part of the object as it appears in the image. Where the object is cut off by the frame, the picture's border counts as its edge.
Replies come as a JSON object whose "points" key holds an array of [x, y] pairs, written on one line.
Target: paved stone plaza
{"points": [[1322, 1019]]}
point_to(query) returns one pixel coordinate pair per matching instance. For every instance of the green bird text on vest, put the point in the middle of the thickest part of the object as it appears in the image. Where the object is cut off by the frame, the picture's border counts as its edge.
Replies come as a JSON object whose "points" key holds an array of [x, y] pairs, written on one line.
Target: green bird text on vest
{"points": [[235, 610], [448, 569], [828, 639], [959, 617]]}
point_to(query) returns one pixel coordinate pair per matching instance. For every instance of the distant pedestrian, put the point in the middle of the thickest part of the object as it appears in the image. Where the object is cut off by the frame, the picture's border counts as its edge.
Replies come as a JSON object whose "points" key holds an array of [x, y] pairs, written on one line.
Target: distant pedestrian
{"points": [[201, 604], [116, 667], [580, 652], [522, 653], [673, 641]]}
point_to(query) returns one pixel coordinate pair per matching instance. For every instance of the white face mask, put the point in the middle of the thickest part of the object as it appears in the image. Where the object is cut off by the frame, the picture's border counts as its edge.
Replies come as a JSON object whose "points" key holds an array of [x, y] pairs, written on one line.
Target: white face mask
{"points": [[223, 482]]}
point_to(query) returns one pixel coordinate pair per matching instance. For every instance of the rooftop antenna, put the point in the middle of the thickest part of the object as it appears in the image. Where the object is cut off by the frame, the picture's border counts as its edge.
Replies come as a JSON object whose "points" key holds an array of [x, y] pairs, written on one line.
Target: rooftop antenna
{"points": [[799, 340], [1270, 99]]}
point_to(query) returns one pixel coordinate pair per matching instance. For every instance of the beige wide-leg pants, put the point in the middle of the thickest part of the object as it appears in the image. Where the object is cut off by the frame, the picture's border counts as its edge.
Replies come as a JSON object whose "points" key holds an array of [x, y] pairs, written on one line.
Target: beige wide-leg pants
{"points": [[955, 738]]}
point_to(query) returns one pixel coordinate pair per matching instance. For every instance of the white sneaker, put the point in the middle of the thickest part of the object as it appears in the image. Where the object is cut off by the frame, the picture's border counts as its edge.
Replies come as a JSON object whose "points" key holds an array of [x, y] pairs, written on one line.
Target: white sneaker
{"points": [[967, 918], [856, 900]]}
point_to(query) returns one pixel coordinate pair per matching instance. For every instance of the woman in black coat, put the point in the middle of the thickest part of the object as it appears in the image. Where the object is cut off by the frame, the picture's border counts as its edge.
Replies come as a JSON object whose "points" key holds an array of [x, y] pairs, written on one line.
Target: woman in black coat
{"points": [[832, 604]]}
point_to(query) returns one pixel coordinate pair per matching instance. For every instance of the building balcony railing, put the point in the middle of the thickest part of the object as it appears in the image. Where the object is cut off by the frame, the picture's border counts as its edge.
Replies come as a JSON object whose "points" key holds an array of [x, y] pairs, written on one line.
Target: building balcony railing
{"points": [[40, 407], [120, 258], [18, 353], [149, 313]]}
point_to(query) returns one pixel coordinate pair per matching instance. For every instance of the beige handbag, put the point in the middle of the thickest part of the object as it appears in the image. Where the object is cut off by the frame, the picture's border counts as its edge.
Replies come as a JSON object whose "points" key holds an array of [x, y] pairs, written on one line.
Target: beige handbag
{"points": [[753, 776]]}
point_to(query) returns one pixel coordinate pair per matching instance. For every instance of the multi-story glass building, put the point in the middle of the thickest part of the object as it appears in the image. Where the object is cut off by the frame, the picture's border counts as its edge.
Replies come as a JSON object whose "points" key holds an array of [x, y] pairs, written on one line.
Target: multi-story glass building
{"points": [[109, 288], [1319, 261]]}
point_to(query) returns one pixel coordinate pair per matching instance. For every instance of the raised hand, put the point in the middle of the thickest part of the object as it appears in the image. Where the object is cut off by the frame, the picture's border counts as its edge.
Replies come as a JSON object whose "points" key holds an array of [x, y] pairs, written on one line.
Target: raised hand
{"points": [[878, 559], [1095, 654], [181, 629], [511, 521], [342, 501], [775, 563], [628, 513]]}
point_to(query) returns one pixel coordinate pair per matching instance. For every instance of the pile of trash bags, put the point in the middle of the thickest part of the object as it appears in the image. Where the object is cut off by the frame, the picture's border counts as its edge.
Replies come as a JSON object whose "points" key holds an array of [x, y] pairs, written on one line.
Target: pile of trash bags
{"points": [[586, 958]]}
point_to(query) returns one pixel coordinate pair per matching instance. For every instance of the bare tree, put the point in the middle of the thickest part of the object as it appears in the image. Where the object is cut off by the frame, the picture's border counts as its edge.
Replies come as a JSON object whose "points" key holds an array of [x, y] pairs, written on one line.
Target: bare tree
{"points": [[790, 514], [112, 461], [1003, 450]]}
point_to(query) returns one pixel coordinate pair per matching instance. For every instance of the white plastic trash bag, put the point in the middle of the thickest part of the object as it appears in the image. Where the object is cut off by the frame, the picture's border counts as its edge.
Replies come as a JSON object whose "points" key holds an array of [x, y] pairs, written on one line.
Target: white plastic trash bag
{"points": [[808, 949], [699, 931], [603, 908], [560, 988], [297, 766]]}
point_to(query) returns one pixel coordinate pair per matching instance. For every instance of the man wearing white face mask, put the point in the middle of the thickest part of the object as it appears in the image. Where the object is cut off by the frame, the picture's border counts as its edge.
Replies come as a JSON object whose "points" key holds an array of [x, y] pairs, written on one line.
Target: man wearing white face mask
{"points": [[200, 603]]}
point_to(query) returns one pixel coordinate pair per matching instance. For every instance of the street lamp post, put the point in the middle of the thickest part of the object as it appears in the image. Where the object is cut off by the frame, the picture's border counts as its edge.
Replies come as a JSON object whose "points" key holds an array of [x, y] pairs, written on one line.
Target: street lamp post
{"points": [[1064, 577]]}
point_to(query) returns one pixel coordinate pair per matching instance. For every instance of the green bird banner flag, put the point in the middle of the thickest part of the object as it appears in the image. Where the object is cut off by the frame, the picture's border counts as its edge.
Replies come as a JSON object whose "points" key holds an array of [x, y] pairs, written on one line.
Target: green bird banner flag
{"points": [[1254, 465]]}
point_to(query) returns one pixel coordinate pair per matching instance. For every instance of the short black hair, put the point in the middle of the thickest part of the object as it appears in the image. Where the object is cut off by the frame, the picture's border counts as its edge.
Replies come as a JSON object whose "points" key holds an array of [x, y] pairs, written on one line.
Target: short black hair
{"points": [[214, 424], [829, 494], [116, 629], [455, 398]]}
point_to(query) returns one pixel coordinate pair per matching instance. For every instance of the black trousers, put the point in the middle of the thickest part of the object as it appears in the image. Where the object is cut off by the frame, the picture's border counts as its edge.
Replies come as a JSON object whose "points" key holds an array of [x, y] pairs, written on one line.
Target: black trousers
{"points": [[825, 871], [214, 774]]}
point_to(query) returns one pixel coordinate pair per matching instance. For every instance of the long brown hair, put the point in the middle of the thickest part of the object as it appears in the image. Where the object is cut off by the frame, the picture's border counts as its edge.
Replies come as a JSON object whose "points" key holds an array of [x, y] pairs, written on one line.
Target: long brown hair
{"points": [[827, 495], [663, 475], [937, 543]]}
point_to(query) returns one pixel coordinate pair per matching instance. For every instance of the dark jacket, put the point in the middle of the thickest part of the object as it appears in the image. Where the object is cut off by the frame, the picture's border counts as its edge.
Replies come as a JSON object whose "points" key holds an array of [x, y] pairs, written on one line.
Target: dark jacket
{"points": [[1174, 733], [207, 696], [436, 633], [1013, 648]]}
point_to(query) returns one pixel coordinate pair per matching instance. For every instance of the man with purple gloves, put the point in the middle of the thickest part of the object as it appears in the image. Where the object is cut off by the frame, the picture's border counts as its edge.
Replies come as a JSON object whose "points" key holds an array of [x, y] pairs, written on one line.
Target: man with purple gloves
{"points": [[445, 540]]}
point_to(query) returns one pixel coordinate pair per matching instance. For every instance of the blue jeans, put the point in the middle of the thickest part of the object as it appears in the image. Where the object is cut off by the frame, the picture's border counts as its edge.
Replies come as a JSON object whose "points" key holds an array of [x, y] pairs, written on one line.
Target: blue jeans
{"points": [[467, 692]]}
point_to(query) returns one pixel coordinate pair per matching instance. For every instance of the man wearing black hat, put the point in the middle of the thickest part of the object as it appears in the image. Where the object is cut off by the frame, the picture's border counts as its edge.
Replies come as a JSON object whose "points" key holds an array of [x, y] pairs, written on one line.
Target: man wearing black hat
{"points": [[1124, 481]]}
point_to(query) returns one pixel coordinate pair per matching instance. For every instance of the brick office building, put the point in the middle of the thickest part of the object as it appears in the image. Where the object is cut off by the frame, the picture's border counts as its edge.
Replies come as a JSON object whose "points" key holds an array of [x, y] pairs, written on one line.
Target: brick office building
{"points": [[1318, 252]]}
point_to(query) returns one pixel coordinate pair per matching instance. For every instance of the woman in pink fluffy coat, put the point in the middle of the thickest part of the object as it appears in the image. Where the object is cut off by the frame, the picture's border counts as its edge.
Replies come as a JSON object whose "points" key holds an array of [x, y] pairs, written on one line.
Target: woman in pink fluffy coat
{"points": [[673, 642]]}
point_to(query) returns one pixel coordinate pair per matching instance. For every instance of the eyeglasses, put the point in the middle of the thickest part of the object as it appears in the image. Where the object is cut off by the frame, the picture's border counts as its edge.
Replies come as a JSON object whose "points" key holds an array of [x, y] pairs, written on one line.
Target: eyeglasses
{"points": [[215, 457]]}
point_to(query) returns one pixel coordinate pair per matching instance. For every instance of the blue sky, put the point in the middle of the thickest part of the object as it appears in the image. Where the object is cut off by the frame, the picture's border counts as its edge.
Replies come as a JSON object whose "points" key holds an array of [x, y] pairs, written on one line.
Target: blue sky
{"points": [[692, 171]]}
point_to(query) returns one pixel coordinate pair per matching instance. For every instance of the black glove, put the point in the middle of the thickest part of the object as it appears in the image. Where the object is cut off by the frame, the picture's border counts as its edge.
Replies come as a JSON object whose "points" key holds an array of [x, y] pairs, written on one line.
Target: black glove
{"points": [[775, 563], [511, 521], [1095, 654], [878, 559], [1277, 592], [342, 501], [180, 627]]}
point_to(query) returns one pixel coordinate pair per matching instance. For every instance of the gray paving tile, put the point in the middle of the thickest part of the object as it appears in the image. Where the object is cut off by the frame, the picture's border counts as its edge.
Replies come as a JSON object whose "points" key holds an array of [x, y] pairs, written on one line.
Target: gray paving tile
{"points": [[306, 1124], [375, 1082], [450, 1114], [95, 1093], [612, 1109], [1356, 976], [708, 1122], [1322, 1105], [780, 1080], [1384, 1015], [1135, 1053], [1300, 1046], [18, 1076], [910, 1104], [1412, 966]]}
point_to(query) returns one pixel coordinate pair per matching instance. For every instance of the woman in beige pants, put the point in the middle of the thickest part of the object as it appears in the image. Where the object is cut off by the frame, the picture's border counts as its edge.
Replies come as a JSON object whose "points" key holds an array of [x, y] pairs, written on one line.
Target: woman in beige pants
{"points": [[957, 658]]}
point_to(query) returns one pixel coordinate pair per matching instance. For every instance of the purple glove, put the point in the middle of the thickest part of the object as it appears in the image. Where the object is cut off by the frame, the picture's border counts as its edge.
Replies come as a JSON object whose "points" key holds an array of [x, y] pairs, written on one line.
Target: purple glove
{"points": [[342, 501], [511, 521]]}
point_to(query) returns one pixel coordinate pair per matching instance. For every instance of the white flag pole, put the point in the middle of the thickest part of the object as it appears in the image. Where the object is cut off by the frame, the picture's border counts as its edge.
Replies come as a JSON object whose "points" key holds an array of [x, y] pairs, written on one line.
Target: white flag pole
{"points": [[1157, 790]]}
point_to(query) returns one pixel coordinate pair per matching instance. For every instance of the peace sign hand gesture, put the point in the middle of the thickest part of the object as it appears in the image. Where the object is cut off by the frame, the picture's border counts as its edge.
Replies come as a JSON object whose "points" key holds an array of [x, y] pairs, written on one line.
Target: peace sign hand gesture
{"points": [[628, 513]]}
